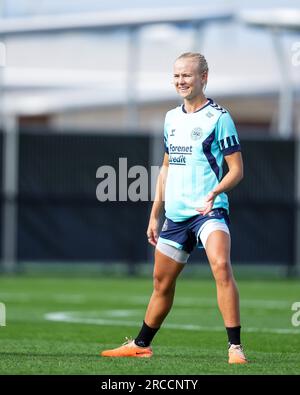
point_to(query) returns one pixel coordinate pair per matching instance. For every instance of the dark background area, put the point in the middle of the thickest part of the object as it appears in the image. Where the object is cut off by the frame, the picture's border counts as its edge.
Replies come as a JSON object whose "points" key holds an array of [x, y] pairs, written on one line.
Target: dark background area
{"points": [[60, 218]]}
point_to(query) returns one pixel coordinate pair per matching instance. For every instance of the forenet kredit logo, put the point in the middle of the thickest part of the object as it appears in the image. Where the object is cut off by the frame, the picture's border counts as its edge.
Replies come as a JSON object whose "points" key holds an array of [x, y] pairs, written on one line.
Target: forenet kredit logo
{"points": [[2, 314]]}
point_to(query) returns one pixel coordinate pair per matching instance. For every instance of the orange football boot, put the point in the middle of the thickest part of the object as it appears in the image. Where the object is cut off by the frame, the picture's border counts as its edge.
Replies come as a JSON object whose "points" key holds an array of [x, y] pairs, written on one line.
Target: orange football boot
{"points": [[129, 349], [236, 354]]}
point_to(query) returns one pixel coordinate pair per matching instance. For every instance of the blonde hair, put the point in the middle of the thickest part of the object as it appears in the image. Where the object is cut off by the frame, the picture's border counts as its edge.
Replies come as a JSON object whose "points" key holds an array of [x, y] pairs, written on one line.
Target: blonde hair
{"points": [[199, 58]]}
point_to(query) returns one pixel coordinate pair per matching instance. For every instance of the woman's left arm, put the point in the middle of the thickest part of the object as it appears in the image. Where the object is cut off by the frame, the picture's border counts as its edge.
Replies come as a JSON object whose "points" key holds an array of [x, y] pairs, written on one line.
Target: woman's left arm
{"points": [[235, 173], [232, 178]]}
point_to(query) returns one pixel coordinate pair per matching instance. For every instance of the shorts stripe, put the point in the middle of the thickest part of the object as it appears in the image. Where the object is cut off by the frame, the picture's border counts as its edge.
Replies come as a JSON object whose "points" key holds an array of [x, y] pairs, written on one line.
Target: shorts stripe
{"points": [[171, 243]]}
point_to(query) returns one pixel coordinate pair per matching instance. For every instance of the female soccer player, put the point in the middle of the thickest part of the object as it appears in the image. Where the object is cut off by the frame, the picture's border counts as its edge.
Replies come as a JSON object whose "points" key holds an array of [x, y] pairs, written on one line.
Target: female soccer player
{"points": [[198, 135]]}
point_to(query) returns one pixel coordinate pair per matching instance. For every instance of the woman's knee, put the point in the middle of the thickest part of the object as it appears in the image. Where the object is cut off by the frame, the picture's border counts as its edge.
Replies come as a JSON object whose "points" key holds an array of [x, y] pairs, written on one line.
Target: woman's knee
{"points": [[163, 285], [166, 271], [222, 271]]}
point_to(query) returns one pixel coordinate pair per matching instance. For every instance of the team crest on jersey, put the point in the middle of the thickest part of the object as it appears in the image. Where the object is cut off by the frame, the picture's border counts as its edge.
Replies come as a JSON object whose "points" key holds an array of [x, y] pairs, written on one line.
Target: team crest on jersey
{"points": [[165, 226], [196, 134]]}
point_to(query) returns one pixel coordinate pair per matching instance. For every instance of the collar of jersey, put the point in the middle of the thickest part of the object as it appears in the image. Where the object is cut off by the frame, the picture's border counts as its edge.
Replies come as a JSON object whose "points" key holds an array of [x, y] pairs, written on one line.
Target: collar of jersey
{"points": [[207, 104]]}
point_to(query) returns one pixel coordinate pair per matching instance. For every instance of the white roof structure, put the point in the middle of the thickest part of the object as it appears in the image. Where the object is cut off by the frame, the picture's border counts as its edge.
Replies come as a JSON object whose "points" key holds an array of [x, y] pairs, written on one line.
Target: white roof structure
{"points": [[112, 20], [279, 18]]}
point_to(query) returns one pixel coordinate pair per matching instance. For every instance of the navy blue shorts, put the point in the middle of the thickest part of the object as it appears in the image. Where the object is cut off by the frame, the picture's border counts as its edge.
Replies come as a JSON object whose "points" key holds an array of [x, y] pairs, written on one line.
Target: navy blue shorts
{"points": [[185, 235]]}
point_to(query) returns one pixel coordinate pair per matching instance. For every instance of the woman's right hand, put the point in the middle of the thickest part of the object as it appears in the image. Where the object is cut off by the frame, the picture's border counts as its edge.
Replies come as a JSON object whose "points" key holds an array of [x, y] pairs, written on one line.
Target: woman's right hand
{"points": [[152, 231]]}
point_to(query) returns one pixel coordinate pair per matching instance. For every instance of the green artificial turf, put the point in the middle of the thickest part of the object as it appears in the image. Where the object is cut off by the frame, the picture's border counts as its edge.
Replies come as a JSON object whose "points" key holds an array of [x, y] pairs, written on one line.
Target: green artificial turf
{"points": [[103, 311]]}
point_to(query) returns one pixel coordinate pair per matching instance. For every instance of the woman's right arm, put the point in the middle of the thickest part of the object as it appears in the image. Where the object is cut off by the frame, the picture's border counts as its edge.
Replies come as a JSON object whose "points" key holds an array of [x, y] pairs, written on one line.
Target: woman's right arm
{"points": [[158, 204]]}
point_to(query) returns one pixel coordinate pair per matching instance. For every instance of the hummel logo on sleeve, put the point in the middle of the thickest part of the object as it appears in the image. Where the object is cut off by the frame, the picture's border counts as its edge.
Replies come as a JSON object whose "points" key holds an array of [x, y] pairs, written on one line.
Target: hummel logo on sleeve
{"points": [[217, 107]]}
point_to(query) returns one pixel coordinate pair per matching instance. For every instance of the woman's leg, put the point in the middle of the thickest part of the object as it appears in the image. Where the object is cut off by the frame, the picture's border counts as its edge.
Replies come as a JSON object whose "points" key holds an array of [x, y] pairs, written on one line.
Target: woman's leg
{"points": [[166, 271], [217, 249], [218, 252]]}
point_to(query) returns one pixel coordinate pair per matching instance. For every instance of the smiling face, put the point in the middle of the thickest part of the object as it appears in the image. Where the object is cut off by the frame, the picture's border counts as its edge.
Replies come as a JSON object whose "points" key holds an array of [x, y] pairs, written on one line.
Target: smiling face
{"points": [[189, 81]]}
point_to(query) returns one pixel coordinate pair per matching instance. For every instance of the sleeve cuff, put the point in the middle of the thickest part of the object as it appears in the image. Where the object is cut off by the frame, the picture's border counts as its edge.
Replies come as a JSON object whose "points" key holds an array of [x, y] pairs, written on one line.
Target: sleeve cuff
{"points": [[231, 150]]}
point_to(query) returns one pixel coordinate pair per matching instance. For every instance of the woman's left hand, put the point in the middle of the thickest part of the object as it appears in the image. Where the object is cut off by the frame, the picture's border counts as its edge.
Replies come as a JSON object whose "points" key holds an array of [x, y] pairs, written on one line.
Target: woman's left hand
{"points": [[209, 202]]}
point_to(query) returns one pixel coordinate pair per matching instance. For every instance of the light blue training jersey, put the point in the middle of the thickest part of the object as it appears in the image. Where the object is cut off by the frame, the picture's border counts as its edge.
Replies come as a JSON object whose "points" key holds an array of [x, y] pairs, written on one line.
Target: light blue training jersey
{"points": [[196, 143]]}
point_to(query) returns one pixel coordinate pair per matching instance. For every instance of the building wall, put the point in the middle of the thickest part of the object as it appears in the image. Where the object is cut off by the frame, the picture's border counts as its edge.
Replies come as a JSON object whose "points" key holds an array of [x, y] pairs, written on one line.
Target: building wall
{"points": [[247, 112]]}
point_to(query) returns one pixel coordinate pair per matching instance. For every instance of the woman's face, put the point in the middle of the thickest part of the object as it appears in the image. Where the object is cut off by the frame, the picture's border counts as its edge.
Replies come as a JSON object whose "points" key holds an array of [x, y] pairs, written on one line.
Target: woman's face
{"points": [[188, 81]]}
